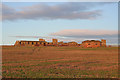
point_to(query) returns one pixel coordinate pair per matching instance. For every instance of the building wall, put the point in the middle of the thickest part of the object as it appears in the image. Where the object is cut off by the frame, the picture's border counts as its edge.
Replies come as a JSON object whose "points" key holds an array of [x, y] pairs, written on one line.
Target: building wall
{"points": [[41, 39], [17, 43], [60, 43], [29, 43], [64, 44], [103, 42], [49, 44], [54, 41], [91, 44], [73, 44]]}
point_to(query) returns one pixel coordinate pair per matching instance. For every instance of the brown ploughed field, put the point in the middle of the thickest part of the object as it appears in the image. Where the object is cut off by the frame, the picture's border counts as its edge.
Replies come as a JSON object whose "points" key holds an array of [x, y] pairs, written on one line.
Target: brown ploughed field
{"points": [[59, 62]]}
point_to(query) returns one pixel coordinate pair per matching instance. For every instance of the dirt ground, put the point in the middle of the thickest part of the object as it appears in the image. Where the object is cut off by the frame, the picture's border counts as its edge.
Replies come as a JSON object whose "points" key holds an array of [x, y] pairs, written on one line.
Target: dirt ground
{"points": [[59, 62]]}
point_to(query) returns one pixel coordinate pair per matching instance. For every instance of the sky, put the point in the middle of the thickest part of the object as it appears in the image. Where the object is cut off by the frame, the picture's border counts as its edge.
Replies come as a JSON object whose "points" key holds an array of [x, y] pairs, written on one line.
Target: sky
{"points": [[67, 21]]}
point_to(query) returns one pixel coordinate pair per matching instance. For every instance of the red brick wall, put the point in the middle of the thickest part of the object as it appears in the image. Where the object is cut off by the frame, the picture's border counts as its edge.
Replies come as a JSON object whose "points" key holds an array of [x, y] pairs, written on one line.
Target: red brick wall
{"points": [[91, 44]]}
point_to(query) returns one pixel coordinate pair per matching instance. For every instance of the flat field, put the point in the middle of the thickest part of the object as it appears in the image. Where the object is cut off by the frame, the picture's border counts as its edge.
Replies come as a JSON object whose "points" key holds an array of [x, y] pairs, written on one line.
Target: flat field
{"points": [[59, 62]]}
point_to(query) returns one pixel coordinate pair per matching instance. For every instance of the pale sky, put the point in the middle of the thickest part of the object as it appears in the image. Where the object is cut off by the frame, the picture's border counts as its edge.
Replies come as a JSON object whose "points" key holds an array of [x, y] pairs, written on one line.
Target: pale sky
{"points": [[66, 21]]}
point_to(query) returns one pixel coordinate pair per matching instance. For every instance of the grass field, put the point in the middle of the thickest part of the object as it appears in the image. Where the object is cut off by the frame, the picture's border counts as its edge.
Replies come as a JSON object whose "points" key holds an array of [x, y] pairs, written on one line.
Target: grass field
{"points": [[59, 62]]}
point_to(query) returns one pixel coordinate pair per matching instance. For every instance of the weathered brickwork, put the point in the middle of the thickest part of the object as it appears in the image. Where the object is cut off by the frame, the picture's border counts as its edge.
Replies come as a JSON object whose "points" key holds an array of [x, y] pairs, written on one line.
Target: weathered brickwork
{"points": [[72, 43], [55, 41], [93, 43], [42, 42], [41, 39], [30, 43], [103, 42]]}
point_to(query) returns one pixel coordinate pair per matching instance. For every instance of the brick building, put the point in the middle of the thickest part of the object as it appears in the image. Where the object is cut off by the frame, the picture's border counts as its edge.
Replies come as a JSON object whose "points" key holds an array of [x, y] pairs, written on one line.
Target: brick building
{"points": [[42, 42], [93, 43], [72, 43], [31, 43], [55, 41]]}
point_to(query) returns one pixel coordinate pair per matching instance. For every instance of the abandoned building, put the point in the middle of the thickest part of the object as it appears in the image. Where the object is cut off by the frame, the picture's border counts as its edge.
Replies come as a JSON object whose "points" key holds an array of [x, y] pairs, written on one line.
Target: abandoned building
{"points": [[42, 42], [72, 43], [93, 43]]}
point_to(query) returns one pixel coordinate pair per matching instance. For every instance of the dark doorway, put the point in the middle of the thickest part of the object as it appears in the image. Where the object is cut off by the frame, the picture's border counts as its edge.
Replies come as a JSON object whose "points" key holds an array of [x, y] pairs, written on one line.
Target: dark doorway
{"points": [[44, 44]]}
